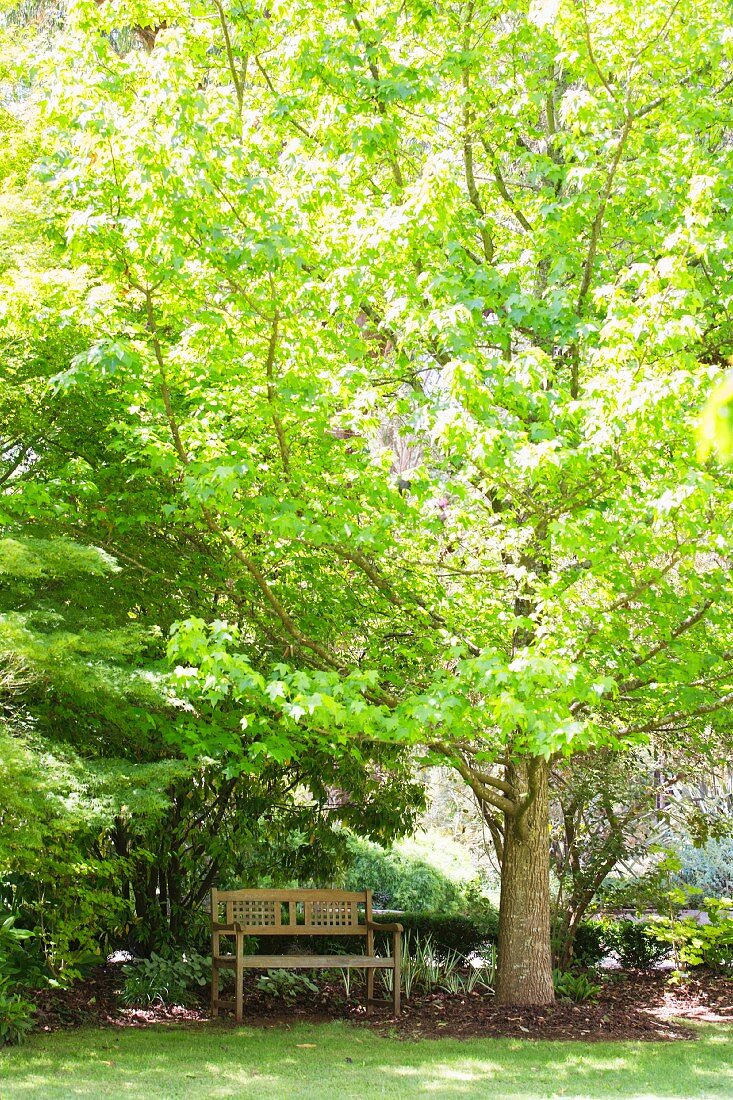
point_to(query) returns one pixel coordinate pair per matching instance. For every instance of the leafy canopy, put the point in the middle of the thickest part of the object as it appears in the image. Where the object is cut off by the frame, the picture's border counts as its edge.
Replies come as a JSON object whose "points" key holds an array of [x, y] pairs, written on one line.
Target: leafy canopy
{"points": [[410, 311]]}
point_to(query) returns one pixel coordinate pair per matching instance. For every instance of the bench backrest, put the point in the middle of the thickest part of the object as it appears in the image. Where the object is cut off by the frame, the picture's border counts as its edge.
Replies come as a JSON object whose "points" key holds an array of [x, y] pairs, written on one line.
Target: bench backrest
{"points": [[294, 912]]}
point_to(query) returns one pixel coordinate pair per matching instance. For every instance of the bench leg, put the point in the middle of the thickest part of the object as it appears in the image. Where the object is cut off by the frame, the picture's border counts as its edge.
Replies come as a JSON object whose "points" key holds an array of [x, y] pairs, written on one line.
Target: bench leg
{"points": [[397, 973], [239, 979], [370, 974], [215, 938]]}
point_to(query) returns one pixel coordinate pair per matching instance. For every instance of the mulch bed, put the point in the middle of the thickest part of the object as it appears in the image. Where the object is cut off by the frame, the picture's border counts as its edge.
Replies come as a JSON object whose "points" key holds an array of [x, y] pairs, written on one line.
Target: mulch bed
{"points": [[94, 1002], [631, 1006]]}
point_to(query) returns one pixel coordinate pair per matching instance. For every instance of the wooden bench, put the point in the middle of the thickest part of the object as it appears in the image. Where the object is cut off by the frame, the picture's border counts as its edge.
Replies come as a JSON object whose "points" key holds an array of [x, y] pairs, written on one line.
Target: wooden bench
{"points": [[297, 913]]}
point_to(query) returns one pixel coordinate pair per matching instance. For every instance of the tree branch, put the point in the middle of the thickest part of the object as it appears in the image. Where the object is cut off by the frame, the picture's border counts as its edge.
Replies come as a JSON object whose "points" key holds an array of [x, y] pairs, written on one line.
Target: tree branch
{"points": [[671, 719], [238, 86], [503, 190], [591, 53], [381, 107], [530, 796], [598, 220], [272, 395], [685, 625], [294, 633], [481, 790], [468, 167]]}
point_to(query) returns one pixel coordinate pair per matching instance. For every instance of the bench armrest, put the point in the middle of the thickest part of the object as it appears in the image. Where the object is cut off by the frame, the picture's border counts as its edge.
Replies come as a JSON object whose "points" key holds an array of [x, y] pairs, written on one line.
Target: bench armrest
{"points": [[377, 926], [216, 927]]}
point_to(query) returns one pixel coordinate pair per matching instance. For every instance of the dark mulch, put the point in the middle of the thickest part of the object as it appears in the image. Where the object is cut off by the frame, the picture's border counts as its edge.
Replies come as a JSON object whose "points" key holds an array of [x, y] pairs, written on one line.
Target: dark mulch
{"points": [[94, 1001], [631, 1006]]}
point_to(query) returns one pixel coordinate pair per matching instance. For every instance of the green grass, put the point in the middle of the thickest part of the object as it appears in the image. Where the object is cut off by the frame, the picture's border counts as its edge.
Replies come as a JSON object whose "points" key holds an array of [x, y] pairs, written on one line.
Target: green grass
{"points": [[341, 1062]]}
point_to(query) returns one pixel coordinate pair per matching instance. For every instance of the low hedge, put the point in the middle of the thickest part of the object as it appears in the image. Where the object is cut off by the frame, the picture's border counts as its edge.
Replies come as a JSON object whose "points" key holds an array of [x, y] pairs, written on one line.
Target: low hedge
{"points": [[590, 944], [452, 932], [629, 940], [448, 933], [633, 945]]}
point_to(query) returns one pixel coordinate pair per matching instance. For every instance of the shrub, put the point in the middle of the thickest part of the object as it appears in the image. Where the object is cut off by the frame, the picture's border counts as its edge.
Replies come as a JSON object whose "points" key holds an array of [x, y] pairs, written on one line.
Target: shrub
{"points": [[165, 980], [398, 881], [708, 869], [477, 905], [635, 944], [16, 1017], [697, 944], [575, 987], [22, 966], [590, 943], [75, 907]]}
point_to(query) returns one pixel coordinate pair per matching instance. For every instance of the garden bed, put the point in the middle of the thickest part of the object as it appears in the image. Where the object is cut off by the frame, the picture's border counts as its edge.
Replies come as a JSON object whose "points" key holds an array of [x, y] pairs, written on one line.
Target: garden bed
{"points": [[630, 1006]]}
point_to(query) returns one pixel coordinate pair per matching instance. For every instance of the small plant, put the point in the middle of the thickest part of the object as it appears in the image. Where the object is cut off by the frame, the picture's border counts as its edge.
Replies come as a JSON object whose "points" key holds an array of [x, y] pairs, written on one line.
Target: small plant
{"points": [[347, 976], [426, 969], [579, 988], [388, 982], [286, 985], [478, 978], [164, 980], [22, 966], [16, 1018], [419, 967], [453, 982], [636, 947], [696, 944], [482, 977], [409, 970], [450, 978], [430, 968]]}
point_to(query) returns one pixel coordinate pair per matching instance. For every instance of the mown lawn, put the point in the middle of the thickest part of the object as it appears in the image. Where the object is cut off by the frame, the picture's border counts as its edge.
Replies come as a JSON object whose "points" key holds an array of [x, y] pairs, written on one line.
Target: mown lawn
{"points": [[342, 1062]]}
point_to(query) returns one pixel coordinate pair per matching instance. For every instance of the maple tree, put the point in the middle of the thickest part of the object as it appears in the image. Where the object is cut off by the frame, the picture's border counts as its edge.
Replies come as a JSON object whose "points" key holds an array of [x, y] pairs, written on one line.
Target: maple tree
{"points": [[412, 309]]}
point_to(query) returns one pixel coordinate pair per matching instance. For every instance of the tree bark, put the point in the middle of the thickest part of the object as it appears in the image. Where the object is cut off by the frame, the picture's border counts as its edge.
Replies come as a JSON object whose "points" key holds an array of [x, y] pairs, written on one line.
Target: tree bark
{"points": [[524, 975]]}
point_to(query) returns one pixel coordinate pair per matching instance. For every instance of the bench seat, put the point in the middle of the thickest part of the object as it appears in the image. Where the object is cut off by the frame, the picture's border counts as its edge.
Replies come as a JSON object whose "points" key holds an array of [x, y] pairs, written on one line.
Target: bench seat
{"points": [[305, 962]]}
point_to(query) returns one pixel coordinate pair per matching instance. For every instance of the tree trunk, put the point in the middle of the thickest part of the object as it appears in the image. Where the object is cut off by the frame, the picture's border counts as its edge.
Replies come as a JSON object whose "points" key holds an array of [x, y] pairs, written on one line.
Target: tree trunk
{"points": [[524, 974]]}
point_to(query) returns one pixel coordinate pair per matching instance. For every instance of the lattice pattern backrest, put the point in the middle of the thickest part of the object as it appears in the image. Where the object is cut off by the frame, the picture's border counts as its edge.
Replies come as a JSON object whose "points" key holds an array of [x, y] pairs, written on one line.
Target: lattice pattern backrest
{"points": [[255, 914], [332, 914], [293, 912]]}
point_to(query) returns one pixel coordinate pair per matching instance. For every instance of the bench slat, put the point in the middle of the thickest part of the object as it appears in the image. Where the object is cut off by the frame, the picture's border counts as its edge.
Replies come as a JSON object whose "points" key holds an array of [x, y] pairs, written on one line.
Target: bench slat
{"points": [[305, 962], [289, 930], [292, 895]]}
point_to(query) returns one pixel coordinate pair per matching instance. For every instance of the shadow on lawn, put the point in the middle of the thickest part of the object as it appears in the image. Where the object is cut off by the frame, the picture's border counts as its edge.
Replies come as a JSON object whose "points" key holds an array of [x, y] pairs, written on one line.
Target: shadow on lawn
{"points": [[335, 1060]]}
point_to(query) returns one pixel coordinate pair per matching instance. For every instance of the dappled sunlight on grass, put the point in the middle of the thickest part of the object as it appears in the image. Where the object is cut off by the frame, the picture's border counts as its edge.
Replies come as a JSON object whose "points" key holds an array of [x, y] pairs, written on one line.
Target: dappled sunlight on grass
{"points": [[308, 1062], [432, 1076], [646, 1072]]}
